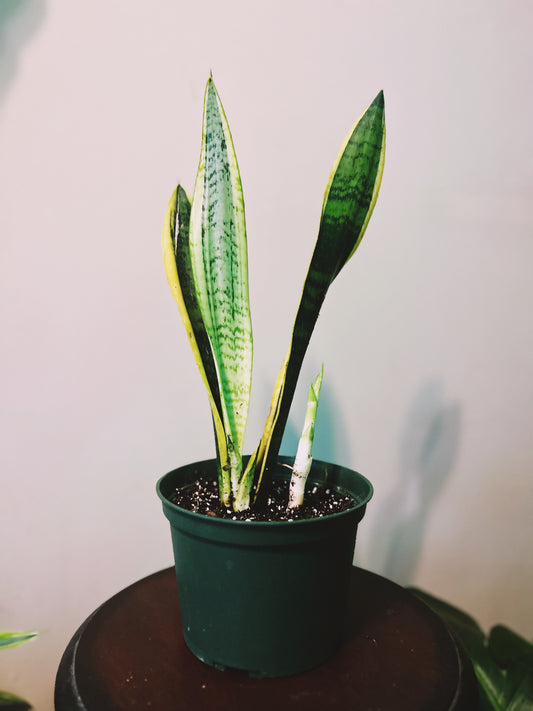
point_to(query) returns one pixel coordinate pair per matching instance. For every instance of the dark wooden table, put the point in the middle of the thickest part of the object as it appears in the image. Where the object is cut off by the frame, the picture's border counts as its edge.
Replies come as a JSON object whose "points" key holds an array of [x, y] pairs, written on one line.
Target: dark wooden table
{"points": [[130, 654]]}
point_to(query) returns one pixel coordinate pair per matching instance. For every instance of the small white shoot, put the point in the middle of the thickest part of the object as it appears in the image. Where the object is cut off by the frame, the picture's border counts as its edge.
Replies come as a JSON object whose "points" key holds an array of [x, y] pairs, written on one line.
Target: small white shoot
{"points": [[303, 459]]}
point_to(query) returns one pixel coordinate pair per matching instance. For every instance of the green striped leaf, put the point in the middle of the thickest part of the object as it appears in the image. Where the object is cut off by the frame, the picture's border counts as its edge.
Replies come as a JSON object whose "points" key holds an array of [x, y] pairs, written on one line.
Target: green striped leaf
{"points": [[349, 200], [218, 253], [178, 268]]}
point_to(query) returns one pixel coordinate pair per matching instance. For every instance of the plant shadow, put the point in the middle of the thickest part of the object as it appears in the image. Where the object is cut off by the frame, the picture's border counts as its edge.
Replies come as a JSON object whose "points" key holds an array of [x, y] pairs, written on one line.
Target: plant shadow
{"points": [[331, 443], [19, 19], [428, 449]]}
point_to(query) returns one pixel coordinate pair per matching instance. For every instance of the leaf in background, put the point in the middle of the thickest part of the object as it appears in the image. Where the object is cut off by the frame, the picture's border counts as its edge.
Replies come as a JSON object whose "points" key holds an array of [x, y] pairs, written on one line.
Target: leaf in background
{"points": [[514, 654], [10, 702], [503, 663], [507, 647], [349, 200], [219, 261], [13, 639], [520, 685], [303, 459]]}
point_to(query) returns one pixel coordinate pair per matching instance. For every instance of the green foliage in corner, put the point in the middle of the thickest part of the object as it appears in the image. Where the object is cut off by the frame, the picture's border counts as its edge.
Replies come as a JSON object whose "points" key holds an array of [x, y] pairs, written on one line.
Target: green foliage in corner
{"points": [[10, 702], [502, 660]]}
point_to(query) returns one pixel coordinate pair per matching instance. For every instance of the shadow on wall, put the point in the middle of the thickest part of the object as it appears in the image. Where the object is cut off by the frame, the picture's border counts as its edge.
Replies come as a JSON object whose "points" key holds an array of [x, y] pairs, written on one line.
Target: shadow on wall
{"points": [[428, 449], [19, 19], [331, 443]]}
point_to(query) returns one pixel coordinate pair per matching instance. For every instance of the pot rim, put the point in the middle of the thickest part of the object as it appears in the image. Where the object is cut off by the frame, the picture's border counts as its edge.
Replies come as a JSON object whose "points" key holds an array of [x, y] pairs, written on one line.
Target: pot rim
{"points": [[359, 505]]}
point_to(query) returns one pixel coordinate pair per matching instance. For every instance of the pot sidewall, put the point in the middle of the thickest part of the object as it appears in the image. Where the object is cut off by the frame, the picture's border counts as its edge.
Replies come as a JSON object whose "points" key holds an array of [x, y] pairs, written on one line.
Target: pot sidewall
{"points": [[268, 598]]}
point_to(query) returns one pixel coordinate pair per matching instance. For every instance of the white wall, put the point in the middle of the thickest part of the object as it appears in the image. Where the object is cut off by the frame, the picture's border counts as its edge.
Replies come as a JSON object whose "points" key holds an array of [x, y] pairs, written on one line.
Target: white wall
{"points": [[426, 338]]}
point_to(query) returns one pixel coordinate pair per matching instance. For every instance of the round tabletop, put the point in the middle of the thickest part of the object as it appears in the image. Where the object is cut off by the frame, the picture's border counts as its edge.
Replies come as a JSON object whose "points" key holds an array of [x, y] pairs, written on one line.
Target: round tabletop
{"points": [[130, 654]]}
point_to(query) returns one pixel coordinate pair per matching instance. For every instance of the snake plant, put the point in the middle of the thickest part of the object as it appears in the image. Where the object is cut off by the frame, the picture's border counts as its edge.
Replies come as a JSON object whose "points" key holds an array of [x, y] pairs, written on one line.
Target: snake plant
{"points": [[206, 263]]}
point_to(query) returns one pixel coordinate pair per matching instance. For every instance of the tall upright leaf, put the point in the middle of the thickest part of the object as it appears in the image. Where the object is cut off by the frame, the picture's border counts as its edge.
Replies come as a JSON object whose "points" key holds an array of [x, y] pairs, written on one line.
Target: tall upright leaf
{"points": [[178, 268], [218, 252], [349, 200]]}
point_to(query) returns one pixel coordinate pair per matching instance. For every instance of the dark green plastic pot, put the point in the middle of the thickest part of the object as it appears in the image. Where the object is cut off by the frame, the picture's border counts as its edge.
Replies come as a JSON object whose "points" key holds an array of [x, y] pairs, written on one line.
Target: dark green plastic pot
{"points": [[265, 598]]}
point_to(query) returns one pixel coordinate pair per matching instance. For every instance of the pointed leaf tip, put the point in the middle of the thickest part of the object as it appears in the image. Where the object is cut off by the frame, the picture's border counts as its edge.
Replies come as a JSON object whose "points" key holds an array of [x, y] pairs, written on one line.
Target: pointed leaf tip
{"points": [[379, 101]]}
